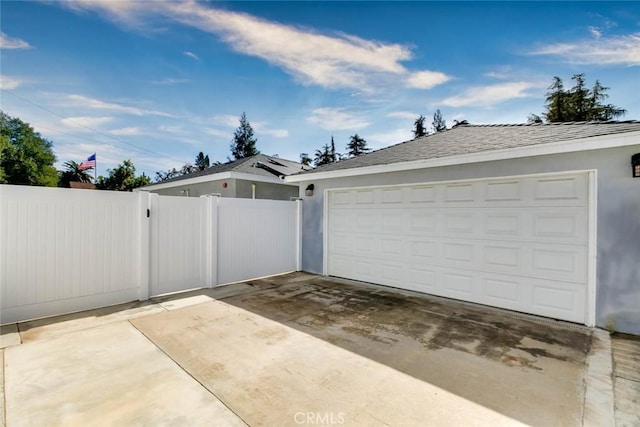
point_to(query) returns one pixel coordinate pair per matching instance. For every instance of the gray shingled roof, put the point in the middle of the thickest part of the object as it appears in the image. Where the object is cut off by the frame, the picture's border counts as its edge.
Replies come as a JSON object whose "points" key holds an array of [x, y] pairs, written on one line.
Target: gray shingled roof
{"points": [[250, 165], [466, 139]]}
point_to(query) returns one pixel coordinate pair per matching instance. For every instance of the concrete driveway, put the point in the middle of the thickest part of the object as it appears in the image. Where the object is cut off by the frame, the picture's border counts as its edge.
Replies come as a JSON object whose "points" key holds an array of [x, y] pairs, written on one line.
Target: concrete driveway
{"points": [[301, 349]]}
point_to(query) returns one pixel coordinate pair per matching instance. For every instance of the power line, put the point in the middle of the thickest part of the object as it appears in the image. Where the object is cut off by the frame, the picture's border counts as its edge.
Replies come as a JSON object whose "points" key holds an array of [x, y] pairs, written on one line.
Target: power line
{"points": [[91, 129]]}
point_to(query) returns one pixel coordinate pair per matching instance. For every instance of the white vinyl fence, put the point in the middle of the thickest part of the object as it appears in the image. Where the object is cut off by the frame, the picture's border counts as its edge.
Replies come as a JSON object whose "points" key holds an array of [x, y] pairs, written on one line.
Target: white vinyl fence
{"points": [[64, 250]]}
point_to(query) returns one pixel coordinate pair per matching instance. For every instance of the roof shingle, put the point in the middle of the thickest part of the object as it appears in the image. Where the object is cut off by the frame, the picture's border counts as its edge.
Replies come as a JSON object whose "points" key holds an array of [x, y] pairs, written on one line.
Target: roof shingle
{"points": [[467, 139]]}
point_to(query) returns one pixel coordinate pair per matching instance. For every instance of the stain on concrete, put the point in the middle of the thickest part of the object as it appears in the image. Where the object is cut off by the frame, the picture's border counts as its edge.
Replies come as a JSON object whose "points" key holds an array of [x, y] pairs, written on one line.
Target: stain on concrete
{"points": [[386, 317]]}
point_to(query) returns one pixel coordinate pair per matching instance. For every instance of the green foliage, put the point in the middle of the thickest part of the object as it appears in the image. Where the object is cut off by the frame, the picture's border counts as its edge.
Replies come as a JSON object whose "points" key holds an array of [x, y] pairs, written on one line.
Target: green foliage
{"points": [[418, 127], [438, 124], [202, 161], [327, 154], [26, 158], [305, 159], [579, 103], [122, 178], [357, 146], [244, 143], [323, 156], [73, 173]]}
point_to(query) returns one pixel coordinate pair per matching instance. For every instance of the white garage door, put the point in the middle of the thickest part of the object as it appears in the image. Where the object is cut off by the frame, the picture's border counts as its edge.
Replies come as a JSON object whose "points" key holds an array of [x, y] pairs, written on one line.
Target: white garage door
{"points": [[517, 243]]}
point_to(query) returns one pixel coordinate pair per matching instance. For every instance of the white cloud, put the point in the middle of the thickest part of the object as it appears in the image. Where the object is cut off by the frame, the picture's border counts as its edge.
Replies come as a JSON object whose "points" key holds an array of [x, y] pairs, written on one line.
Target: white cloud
{"points": [[171, 129], [278, 133], [403, 115], [385, 139], [483, 96], [84, 122], [191, 55], [86, 102], [169, 81], [7, 42], [595, 32], [601, 50], [228, 120], [333, 119], [333, 61], [127, 131], [219, 133], [426, 79], [7, 82]]}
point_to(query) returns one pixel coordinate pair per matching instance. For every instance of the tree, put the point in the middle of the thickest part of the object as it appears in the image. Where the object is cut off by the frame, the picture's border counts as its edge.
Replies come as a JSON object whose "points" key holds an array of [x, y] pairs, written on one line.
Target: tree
{"points": [[418, 127], [578, 103], [357, 146], [73, 173], [202, 161], [305, 159], [122, 178], [438, 124], [332, 152], [26, 158], [243, 144], [534, 118], [323, 156], [164, 175]]}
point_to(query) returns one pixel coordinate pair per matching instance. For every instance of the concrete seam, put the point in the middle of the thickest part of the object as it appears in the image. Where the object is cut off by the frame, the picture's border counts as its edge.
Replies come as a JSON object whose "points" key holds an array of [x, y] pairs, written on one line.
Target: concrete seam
{"points": [[599, 392], [189, 374]]}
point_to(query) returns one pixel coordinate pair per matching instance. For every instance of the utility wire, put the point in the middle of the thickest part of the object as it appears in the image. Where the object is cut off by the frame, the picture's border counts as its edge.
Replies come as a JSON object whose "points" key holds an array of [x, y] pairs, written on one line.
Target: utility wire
{"points": [[91, 129]]}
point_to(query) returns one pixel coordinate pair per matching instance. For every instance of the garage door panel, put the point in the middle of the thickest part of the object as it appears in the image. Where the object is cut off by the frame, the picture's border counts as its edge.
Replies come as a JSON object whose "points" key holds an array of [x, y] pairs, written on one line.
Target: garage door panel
{"points": [[457, 285], [515, 243], [425, 194], [561, 188], [568, 225], [455, 193], [422, 279], [503, 191]]}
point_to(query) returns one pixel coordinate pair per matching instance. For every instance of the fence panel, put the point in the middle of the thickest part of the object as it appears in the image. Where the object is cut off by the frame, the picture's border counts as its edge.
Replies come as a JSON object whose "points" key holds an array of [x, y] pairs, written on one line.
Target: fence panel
{"points": [[64, 250], [178, 243], [256, 238]]}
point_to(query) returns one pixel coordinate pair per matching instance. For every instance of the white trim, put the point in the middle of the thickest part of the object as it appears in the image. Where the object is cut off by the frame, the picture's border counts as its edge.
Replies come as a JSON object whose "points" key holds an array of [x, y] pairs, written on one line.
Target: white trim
{"points": [[214, 177], [590, 306], [450, 181], [325, 234], [592, 249], [583, 144]]}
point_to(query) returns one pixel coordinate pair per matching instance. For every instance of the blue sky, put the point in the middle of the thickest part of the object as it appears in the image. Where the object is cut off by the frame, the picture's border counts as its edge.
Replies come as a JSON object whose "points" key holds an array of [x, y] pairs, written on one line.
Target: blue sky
{"points": [[157, 82]]}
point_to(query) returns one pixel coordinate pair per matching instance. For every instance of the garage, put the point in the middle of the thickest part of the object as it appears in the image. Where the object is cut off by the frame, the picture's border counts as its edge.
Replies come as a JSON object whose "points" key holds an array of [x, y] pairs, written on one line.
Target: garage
{"points": [[520, 242]]}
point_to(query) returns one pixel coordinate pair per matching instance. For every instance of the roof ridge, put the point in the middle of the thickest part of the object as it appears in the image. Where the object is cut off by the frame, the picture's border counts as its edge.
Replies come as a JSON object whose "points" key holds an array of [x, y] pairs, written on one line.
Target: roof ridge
{"points": [[591, 122]]}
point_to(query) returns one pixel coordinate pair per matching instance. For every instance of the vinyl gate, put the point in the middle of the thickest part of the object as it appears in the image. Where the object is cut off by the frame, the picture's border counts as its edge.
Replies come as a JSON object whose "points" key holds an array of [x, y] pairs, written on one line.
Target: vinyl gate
{"points": [[65, 250], [207, 241]]}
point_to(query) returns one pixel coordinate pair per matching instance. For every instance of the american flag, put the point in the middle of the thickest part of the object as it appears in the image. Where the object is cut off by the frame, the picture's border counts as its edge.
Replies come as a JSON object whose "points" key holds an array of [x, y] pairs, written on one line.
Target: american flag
{"points": [[89, 163]]}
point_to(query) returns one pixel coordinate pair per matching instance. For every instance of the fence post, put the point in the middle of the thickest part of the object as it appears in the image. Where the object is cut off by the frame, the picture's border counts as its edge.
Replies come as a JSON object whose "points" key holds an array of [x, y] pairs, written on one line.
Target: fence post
{"points": [[212, 238], [144, 207], [299, 235]]}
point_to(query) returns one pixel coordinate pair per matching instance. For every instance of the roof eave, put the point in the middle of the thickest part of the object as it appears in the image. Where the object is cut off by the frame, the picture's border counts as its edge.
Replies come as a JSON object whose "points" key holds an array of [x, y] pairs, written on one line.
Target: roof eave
{"points": [[569, 146], [215, 177]]}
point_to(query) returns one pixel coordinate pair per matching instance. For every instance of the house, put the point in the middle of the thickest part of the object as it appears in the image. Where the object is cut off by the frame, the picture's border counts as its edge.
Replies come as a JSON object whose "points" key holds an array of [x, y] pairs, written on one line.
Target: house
{"points": [[255, 177], [542, 219]]}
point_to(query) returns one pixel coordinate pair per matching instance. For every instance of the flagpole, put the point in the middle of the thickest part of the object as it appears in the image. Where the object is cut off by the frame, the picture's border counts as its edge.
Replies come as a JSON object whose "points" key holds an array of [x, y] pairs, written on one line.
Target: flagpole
{"points": [[95, 170]]}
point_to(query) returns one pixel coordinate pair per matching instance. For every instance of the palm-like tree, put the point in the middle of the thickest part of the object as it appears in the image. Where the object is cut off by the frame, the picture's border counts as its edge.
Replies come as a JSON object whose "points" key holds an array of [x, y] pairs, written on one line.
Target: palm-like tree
{"points": [[73, 173]]}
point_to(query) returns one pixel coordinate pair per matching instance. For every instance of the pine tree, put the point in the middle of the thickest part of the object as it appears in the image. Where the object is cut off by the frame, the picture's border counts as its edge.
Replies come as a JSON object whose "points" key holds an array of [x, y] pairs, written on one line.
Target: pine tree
{"points": [[357, 146], [578, 103], [438, 124], [244, 143], [418, 127], [202, 161]]}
